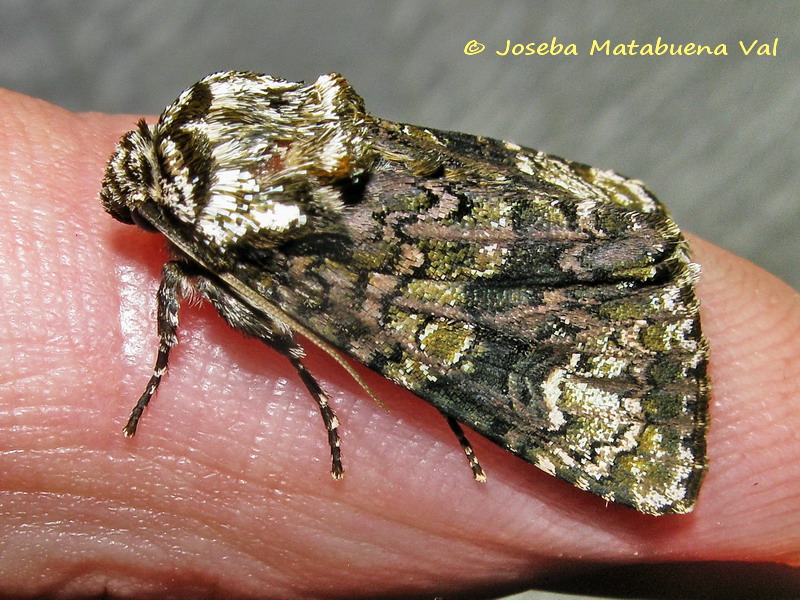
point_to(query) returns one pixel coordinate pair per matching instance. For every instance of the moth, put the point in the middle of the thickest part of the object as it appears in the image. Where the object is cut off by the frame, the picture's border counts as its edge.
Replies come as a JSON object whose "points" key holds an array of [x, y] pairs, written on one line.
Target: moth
{"points": [[546, 304]]}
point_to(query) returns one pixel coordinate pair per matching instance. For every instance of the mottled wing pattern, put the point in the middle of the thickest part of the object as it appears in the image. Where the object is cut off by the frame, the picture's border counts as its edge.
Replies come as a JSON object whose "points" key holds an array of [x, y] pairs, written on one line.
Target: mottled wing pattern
{"points": [[546, 304]]}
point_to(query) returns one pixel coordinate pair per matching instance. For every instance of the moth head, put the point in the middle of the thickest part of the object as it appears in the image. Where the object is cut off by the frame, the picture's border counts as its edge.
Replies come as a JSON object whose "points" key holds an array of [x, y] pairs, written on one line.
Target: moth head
{"points": [[243, 159], [129, 176]]}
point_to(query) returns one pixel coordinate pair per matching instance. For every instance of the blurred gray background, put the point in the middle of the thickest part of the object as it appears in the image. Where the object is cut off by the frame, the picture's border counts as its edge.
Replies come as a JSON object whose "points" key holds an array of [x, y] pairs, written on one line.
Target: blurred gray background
{"points": [[714, 137]]}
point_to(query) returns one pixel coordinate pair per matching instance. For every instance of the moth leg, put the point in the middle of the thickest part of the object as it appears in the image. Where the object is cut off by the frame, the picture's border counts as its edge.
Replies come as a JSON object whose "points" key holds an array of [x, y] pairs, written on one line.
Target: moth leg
{"points": [[477, 471], [328, 416], [240, 316], [174, 283]]}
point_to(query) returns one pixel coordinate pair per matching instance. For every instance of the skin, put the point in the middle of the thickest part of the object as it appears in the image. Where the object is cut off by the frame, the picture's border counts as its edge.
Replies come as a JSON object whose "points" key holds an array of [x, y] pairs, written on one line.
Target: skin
{"points": [[225, 488]]}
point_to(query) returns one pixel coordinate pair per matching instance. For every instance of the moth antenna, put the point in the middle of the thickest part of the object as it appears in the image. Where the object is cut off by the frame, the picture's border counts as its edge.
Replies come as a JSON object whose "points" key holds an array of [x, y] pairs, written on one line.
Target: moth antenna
{"points": [[334, 354], [281, 317]]}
